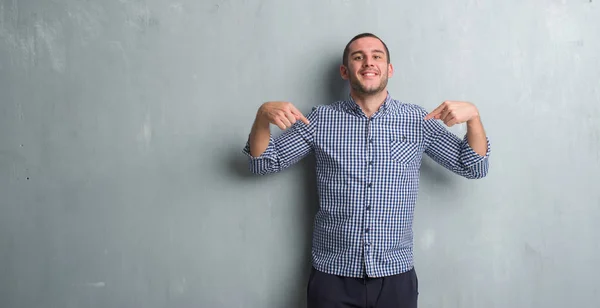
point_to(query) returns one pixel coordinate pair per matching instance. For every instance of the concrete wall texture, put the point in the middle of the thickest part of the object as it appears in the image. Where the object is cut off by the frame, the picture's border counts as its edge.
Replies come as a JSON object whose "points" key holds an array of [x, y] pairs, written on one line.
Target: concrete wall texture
{"points": [[123, 184]]}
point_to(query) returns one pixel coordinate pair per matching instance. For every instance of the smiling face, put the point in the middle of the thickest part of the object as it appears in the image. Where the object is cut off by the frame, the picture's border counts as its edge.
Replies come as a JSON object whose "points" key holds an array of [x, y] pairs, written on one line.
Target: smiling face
{"points": [[367, 67]]}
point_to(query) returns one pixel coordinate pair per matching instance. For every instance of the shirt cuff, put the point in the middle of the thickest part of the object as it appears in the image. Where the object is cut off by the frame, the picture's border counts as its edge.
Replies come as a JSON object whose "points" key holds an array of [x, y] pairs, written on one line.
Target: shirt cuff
{"points": [[469, 157], [268, 153]]}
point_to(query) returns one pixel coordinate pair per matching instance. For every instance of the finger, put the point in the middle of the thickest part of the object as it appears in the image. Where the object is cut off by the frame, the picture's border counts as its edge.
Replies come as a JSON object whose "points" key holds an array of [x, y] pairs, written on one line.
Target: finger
{"points": [[300, 116], [445, 113], [285, 122], [451, 121], [290, 117], [285, 117], [447, 118], [279, 123], [304, 119], [436, 112]]}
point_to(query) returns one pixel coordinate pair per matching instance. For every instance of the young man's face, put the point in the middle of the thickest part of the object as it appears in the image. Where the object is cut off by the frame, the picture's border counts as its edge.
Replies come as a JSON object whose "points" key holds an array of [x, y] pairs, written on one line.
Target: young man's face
{"points": [[368, 70]]}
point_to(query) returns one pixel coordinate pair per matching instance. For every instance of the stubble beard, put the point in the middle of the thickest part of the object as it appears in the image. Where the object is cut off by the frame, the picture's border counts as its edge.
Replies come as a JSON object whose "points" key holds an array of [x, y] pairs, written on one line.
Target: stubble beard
{"points": [[361, 89]]}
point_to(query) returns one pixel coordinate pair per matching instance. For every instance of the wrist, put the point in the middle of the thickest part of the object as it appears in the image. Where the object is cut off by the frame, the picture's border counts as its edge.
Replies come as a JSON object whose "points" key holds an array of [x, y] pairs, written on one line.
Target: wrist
{"points": [[474, 121], [261, 120]]}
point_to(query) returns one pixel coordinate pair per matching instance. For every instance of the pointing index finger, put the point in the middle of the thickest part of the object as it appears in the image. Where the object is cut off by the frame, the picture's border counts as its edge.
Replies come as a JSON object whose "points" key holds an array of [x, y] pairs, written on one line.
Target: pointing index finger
{"points": [[304, 119], [436, 112], [300, 116]]}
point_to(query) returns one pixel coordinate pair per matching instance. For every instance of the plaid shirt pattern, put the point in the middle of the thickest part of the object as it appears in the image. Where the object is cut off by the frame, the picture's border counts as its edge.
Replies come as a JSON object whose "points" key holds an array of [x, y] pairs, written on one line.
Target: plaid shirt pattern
{"points": [[367, 179]]}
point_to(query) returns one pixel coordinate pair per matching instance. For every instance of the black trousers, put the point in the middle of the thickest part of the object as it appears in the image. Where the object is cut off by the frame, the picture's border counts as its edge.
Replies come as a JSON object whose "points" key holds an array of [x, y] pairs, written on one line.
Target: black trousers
{"points": [[331, 291]]}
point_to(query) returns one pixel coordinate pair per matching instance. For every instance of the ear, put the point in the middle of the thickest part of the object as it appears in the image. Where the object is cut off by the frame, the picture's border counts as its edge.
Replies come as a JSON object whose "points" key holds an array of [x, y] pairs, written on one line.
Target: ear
{"points": [[344, 72], [390, 70]]}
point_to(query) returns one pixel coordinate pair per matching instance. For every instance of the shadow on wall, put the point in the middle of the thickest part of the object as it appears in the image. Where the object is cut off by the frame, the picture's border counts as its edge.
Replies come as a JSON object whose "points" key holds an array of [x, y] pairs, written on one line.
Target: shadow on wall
{"points": [[433, 173], [336, 89], [298, 293]]}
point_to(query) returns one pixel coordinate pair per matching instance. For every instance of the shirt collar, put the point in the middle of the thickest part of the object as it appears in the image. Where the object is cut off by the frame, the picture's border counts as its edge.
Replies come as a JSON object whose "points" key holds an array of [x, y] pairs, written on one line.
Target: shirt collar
{"points": [[388, 106]]}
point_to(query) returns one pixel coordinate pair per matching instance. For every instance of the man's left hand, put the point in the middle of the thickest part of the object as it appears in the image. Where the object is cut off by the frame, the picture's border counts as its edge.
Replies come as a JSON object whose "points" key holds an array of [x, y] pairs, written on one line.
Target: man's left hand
{"points": [[454, 112]]}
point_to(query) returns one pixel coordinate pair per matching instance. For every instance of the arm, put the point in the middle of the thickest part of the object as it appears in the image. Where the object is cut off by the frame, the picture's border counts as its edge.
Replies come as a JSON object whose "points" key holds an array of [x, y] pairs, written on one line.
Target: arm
{"points": [[269, 155], [476, 136], [467, 157], [260, 137]]}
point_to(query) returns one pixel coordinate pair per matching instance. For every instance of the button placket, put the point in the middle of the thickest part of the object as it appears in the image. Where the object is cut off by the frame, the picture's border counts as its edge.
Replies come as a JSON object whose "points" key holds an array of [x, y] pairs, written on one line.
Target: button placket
{"points": [[369, 185]]}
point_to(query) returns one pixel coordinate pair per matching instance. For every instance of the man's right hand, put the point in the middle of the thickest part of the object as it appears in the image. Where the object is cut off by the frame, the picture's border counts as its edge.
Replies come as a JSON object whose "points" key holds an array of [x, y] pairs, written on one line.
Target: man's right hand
{"points": [[282, 114]]}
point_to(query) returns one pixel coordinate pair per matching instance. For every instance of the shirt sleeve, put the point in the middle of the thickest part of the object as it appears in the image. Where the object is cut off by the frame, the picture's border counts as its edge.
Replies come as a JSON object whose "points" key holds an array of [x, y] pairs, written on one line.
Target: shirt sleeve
{"points": [[454, 153], [290, 147]]}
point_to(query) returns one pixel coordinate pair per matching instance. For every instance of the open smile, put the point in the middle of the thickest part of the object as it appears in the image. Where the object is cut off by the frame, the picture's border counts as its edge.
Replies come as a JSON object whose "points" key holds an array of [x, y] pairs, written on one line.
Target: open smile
{"points": [[369, 74]]}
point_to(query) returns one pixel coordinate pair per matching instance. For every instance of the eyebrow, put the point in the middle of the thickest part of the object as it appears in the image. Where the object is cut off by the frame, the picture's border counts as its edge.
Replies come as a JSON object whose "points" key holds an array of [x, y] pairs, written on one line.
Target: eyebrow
{"points": [[374, 50]]}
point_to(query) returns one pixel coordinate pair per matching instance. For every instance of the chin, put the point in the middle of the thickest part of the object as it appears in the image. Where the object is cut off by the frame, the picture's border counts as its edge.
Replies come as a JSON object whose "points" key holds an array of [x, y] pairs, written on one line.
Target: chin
{"points": [[372, 88], [369, 84], [368, 87]]}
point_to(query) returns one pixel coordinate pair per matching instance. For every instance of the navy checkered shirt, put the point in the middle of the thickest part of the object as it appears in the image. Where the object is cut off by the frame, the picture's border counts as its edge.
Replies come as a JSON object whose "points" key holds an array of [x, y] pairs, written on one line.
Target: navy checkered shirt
{"points": [[367, 179]]}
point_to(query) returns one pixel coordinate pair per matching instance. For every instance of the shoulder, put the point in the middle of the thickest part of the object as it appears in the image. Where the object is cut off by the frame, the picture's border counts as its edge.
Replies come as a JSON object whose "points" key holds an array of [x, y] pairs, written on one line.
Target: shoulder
{"points": [[337, 106], [416, 114], [334, 106], [410, 109]]}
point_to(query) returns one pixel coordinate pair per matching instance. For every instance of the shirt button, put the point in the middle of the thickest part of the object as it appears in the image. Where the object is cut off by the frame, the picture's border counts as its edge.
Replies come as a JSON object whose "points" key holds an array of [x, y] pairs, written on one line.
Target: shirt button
{"points": [[371, 140], [367, 230], [368, 207], [371, 163], [369, 185]]}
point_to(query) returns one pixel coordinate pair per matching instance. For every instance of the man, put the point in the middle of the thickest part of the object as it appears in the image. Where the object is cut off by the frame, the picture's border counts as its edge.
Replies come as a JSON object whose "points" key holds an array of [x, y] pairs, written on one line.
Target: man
{"points": [[368, 153]]}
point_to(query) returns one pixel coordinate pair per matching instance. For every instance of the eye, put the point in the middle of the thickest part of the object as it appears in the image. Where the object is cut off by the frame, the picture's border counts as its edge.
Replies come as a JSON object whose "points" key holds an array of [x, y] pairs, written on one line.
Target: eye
{"points": [[357, 57]]}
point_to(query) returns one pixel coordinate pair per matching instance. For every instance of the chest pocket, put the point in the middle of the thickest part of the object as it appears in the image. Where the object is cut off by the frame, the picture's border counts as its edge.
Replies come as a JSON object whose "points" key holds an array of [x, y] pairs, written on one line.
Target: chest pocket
{"points": [[405, 148]]}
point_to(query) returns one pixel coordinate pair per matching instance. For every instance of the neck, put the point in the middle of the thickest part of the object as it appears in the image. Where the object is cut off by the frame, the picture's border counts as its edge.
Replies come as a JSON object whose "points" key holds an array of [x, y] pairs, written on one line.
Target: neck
{"points": [[369, 103]]}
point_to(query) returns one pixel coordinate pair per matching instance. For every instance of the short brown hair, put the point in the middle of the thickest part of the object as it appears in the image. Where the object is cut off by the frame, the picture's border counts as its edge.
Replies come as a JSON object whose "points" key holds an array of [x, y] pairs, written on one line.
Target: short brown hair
{"points": [[366, 34]]}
